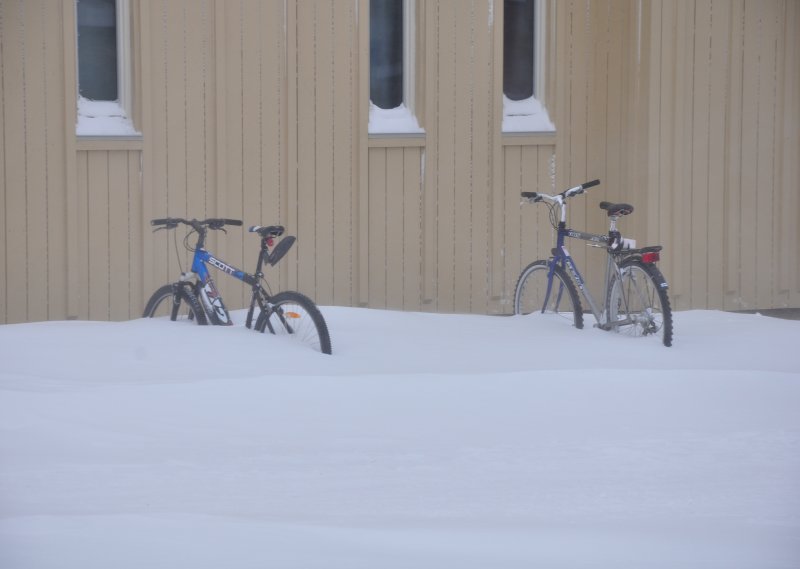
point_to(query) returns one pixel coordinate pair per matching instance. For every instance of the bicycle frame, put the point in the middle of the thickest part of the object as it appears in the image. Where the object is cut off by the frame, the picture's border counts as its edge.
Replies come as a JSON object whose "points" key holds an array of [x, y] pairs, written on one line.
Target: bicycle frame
{"points": [[207, 289], [561, 256], [203, 257], [634, 290]]}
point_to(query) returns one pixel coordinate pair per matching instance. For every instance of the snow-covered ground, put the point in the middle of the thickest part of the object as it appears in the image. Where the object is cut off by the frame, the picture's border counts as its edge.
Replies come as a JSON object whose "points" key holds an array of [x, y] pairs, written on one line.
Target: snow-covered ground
{"points": [[424, 441]]}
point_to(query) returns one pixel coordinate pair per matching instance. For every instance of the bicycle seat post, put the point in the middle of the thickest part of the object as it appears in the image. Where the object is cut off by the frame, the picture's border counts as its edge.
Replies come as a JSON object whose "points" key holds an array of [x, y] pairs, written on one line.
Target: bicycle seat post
{"points": [[262, 254], [612, 223]]}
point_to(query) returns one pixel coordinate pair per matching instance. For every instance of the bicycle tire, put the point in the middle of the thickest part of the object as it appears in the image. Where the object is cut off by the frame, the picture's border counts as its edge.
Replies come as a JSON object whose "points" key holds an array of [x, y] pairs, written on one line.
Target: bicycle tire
{"points": [[164, 302], [638, 297], [531, 289], [294, 314]]}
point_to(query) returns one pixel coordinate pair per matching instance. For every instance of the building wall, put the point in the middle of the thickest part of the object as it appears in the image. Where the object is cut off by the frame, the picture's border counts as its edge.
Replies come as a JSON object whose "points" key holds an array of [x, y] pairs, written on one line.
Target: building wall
{"points": [[258, 109], [723, 150], [109, 234], [33, 165]]}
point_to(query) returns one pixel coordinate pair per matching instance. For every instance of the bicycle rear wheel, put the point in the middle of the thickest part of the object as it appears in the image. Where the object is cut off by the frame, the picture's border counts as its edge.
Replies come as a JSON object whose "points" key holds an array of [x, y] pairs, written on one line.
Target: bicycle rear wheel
{"points": [[638, 304], [176, 301], [531, 294], [295, 315]]}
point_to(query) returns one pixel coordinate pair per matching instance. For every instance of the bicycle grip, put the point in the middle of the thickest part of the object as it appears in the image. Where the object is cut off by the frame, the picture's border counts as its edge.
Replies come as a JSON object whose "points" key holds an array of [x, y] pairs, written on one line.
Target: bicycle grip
{"points": [[220, 222], [529, 195], [164, 221], [587, 185]]}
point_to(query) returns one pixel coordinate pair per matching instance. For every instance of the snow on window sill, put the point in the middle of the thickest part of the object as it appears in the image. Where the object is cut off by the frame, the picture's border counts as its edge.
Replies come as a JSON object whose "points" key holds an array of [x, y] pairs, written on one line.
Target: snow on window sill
{"points": [[528, 115], [399, 120], [103, 118]]}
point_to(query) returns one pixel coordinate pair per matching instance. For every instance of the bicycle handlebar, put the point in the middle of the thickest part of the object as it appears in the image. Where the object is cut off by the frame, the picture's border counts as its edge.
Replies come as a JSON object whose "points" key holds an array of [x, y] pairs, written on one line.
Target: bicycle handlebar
{"points": [[211, 223], [577, 190]]}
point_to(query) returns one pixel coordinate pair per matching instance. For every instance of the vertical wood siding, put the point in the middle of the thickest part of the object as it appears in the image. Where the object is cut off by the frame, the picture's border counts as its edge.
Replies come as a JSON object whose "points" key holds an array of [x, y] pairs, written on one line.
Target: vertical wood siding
{"points": [[395, 212], [32, 162], [458, 161], [180, 126], [110, 234], [252, 117], [323, 139], [724, 150], [526, 231], [598, 120], [257, 109]]}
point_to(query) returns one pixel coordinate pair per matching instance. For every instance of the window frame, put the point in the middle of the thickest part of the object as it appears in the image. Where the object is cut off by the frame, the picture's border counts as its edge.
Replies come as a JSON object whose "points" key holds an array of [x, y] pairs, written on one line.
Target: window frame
{"points": [[517, 114], [90, 114], [403, 119], [409, 52], [540, 43]]}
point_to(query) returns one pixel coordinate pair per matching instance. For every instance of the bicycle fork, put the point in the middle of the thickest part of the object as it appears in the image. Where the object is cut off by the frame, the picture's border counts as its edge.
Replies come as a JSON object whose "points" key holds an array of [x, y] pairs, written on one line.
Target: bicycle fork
{"points": [[561, 255], [551, 270], [209, 298]]}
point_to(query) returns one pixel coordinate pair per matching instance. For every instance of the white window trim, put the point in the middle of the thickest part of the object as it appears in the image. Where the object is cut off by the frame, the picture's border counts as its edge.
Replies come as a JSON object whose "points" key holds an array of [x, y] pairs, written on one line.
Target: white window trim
{"points": [[402, 119], [124, 63], [409, 53], [110, 118], [530, 115]]}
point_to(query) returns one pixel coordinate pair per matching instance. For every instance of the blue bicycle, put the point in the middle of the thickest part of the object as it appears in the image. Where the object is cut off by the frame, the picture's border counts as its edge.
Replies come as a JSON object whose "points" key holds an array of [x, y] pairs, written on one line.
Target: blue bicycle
{"points": [[194, 296], [635, 291]]}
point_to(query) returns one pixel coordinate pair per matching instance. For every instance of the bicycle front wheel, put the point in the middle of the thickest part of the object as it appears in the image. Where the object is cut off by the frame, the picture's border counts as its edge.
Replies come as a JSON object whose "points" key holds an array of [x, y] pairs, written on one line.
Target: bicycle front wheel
{"points": [[531, 294], [295, 315], [176, 301], [638, 304]]}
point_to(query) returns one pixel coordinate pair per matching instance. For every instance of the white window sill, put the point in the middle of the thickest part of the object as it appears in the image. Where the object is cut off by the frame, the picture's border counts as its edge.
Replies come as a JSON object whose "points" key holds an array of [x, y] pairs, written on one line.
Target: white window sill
{"points": [[399, 120], [103, 118], [528, 115]]}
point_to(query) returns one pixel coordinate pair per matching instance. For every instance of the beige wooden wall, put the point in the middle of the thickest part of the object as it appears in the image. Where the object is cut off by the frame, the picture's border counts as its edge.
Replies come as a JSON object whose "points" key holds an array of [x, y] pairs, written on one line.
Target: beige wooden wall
{"points": [[723, 147], [257, 109], [446, 229], [33, 169], [109, 234], [251, 114], [215, 118], [599, 117]]}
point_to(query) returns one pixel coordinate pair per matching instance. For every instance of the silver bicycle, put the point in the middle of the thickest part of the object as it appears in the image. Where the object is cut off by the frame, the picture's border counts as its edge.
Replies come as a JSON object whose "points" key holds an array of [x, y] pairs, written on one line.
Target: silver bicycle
{"points": [[635, 300]]}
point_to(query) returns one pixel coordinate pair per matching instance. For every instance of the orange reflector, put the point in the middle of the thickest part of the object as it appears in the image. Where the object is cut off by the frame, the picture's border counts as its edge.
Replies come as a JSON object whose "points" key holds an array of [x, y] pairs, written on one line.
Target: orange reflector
{"points": [[291, 315]]}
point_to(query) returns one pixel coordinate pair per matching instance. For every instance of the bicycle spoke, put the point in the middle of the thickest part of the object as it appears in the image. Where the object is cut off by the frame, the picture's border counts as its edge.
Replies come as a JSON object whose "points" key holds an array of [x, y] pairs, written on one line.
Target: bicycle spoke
{"points": [[635, 307], [295, 316]]}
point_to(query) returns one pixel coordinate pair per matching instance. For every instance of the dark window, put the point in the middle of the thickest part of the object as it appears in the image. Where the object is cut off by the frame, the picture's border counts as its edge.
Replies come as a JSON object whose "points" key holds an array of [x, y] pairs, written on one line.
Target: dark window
{"points": [[97, 49], [386, 53], [518, 49]]}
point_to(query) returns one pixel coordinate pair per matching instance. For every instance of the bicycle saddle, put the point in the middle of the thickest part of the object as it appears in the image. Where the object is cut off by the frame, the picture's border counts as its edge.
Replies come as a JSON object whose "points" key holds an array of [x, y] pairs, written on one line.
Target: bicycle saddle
{"points": [[267, 231], [616, 208]]}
